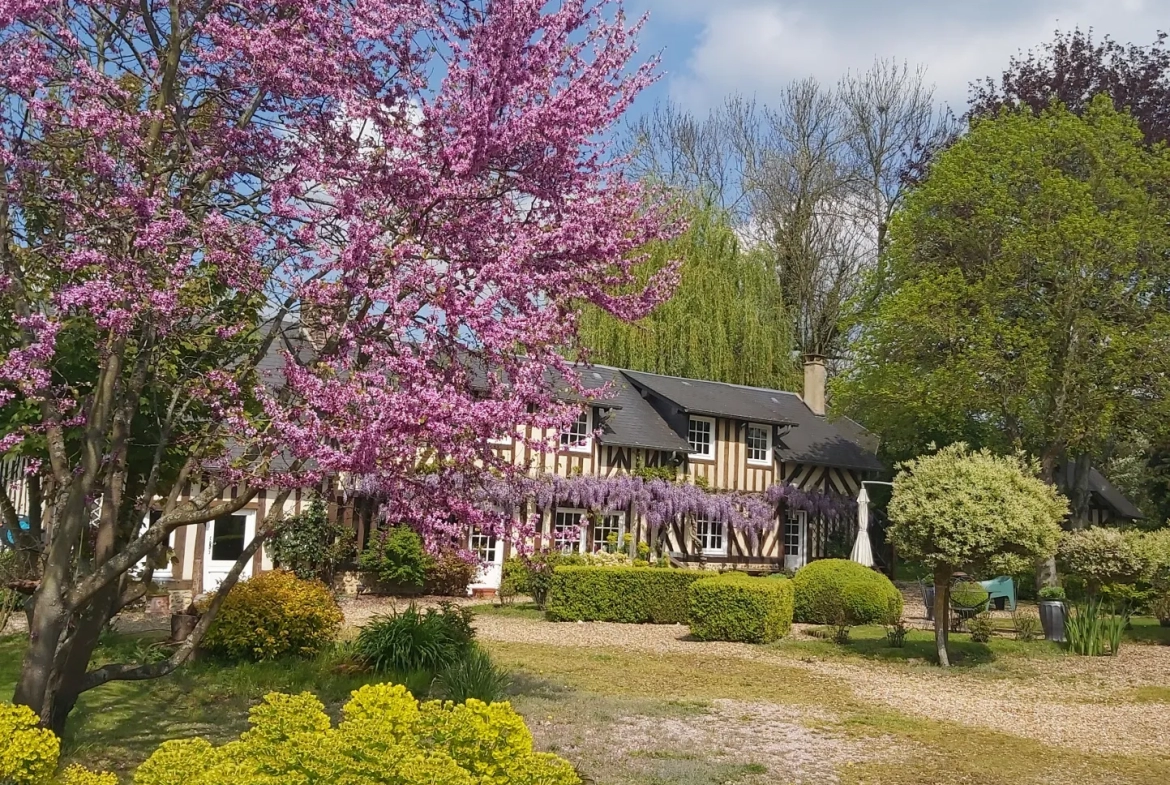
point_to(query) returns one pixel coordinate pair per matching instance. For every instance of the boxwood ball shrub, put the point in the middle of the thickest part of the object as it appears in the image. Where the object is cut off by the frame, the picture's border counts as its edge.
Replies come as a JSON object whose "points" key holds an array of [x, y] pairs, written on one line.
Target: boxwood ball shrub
{"points": [[867, 595], [637, 595], [385, 735], [737, 607], [274, 614]]}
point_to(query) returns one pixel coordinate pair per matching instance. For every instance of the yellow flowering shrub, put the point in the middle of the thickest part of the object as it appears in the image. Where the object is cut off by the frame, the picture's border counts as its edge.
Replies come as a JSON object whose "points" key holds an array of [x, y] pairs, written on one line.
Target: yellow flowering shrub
{"points": [[272, 615], [79, 775], [28, 754], [384, 736]]}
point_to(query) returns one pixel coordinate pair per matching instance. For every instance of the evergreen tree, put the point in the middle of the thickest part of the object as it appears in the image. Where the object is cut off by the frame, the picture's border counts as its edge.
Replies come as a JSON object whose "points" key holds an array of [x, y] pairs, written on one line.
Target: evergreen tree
{"points": [[726, 322]]}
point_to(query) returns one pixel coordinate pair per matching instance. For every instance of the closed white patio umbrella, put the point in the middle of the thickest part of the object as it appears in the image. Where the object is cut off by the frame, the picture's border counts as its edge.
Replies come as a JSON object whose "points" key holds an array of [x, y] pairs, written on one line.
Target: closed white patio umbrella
{"points": [[862, 552]]}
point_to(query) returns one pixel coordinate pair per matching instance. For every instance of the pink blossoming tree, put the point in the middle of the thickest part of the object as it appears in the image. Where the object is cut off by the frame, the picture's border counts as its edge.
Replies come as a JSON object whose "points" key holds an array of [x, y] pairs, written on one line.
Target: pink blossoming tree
{"points": [[255, 245]]}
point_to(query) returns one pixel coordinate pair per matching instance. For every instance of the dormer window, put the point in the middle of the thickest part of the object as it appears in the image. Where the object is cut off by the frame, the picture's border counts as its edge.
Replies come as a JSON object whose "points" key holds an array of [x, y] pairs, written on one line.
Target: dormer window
{"points": [[701, 436], [579, 437], [759, 444]]}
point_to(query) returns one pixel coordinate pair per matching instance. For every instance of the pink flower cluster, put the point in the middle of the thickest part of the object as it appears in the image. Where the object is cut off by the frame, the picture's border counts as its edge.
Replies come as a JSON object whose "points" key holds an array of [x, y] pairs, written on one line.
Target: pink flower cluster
{"points": [[343, 239]]}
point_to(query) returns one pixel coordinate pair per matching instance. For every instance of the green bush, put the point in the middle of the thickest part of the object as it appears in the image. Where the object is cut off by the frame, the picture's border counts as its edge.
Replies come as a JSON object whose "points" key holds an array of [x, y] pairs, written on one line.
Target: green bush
{"points": [[311, 545], [396, 559], [866, 594], [274, 614], [385, 735], [1101, 555], [981, 627], [736, 607], [415, 640], [637, 595], [449, 573]]}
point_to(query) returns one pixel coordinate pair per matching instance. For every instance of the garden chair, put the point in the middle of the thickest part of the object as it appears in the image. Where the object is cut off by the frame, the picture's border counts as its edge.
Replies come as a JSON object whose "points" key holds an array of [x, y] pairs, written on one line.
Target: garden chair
{"points": [[970, 602], [1002, 587], [927, 598]]}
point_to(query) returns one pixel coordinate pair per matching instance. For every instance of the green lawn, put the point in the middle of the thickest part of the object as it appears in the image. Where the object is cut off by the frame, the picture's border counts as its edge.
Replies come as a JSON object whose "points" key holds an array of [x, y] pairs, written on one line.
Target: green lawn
{"points": [[647, 718]]}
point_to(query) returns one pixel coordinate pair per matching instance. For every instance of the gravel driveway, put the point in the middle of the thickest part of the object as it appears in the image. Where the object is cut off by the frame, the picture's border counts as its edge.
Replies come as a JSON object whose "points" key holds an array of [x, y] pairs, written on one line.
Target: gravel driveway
{"points": [[1080, 702]]}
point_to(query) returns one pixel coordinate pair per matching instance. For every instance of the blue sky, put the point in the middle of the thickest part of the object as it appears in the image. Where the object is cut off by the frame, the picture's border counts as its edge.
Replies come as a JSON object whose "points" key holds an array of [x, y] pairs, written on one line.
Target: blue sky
{"points": [[712, 48]]}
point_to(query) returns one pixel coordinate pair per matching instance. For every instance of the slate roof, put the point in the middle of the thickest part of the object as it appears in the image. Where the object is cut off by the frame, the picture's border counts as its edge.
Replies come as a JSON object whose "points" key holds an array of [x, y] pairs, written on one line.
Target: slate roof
{"points": [[1104, 492], [629, 421], [810, 438]]}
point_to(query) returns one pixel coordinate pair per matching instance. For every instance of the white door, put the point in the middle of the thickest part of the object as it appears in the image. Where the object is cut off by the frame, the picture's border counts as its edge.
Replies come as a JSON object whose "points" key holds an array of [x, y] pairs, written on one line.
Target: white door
{"points": [[491, 562], [227, 536], [795, 531]]}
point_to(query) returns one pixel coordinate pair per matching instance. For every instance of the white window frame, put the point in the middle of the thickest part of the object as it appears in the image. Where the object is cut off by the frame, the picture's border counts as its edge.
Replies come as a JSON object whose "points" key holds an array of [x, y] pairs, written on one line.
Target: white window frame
{"points": [[709, 455], [585, 444], [480, 544], [799, 519], [621, 530], [704, 538], [767, 429], [564, 547]]}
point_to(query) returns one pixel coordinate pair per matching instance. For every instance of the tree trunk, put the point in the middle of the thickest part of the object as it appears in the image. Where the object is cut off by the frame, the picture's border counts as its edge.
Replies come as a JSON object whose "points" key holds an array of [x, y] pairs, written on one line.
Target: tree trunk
{"points": [[942, 587], [1079, 494], [1046, 570]]}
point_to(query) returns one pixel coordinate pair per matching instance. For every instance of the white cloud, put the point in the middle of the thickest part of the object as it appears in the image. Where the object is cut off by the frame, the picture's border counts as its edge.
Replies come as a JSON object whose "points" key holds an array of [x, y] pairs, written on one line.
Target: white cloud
{"points": [[755, 46]]}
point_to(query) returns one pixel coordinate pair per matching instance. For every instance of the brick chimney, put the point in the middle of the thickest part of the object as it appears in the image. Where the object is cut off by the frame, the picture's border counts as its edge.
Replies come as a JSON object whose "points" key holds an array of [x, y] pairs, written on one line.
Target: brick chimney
{"points": [[814, 383]]}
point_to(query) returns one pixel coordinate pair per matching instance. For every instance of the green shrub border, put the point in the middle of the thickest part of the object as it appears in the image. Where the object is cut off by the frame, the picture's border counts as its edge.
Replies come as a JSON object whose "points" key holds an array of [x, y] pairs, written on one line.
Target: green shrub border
{"points": [[737, 607], [633, 595]]}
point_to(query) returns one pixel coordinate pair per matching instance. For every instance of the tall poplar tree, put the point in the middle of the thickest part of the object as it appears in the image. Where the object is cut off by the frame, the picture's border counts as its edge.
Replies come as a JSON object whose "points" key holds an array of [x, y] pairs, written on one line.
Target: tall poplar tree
{"points": [[726, 321]]}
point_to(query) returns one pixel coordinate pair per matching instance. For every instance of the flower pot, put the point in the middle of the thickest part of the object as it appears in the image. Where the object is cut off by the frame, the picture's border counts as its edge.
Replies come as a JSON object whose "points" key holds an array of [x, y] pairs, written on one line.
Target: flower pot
{"points": [[1052, 619]]}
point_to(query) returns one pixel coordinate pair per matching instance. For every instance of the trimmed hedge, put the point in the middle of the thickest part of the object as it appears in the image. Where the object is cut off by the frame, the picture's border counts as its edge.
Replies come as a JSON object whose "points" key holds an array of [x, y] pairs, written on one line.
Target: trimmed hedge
{"points": [[868, 596], [737, 607], [637, 595]]}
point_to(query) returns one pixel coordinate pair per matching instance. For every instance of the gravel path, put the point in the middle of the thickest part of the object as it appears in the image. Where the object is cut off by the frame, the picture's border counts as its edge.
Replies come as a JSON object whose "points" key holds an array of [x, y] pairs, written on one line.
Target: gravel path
{"points": [[1079, 702]]}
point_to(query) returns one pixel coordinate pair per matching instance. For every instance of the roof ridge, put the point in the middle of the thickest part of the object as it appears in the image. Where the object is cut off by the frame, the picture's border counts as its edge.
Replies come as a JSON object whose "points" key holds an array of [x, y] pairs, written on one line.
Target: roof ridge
{"points": [[693, 379]]}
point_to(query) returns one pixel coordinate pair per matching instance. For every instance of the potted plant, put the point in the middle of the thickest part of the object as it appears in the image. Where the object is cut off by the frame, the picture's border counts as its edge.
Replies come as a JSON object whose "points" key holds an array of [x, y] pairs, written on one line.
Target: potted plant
{"points": [[1052, 612]]}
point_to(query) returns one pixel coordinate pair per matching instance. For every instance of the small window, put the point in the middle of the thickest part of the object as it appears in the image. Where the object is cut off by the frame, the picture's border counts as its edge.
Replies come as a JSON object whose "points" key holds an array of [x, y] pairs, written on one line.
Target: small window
{"points": [[710, 535], [483, 546], [579, 436], [607, 533], [701, 435], [567, 530], [759, 444]]}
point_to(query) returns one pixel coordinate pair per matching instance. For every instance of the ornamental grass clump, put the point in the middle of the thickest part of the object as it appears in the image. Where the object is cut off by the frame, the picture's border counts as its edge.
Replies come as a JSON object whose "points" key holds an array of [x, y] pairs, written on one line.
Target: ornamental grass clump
{"points": [[415, 640], [385, 735], [274, 614], [1092, 629], [473, 676]]}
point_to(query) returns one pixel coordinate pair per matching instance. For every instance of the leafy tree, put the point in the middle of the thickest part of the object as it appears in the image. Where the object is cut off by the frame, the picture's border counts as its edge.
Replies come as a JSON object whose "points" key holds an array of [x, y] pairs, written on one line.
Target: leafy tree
{"points": [[1027, 299], [311, 545], [958, 509], [241, 244], [725, 322], [1101, 556], [1073, 69]]}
